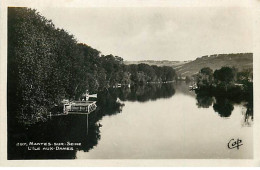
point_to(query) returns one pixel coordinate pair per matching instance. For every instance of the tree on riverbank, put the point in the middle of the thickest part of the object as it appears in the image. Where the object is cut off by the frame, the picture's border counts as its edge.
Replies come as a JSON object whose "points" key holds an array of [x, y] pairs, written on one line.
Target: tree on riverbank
{"points": [[223, 88], [225, 77], [205, 77], [47, 64]]}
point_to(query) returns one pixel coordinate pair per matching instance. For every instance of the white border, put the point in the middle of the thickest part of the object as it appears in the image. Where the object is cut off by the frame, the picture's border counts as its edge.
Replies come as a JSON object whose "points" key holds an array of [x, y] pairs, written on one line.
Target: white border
{"points": [[254, 5]]}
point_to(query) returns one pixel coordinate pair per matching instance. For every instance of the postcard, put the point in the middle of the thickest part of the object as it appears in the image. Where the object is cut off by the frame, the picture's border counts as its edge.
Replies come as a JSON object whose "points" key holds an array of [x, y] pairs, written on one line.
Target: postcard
{"points": [[137, 83]]}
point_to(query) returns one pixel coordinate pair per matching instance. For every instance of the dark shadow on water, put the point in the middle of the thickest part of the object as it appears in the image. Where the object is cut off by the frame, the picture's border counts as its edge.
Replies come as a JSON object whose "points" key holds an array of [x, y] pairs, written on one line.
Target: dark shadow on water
{"points": [[204, 100], [83, 129], [146, 92], [223, 101], [223, 107]]}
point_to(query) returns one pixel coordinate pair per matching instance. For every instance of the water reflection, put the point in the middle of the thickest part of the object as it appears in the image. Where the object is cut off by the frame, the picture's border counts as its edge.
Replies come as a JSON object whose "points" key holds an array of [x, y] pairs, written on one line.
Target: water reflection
{"points": [[87, 129], [147, 92], [204, 100], [84, 129], [223, 106], [174, 128], [248, 114], [223, 102]]}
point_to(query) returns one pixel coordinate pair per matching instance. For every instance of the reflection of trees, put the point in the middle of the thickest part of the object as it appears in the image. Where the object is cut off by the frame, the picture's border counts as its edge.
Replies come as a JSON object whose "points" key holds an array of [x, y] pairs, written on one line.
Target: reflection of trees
{"points": [[82, 129], [62, 129], [77, 128], [146, 93], [226, 99], [223, 106], [107, 103], [248, 115], [204, 100]]}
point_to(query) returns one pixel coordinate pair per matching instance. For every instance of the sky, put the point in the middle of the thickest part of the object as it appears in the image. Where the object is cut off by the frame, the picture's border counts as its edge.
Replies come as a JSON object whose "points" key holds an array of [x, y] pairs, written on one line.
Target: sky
{"points": [[157, 33]]}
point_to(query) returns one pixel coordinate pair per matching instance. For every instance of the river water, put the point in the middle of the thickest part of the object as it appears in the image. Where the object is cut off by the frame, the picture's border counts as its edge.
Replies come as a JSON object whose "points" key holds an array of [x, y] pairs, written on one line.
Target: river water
{"points": [[149, 122]]}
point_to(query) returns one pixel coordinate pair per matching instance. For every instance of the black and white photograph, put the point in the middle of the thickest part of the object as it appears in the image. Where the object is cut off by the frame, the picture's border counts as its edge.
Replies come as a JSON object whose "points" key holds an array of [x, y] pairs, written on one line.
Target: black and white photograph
{"points": [[130, 82]]}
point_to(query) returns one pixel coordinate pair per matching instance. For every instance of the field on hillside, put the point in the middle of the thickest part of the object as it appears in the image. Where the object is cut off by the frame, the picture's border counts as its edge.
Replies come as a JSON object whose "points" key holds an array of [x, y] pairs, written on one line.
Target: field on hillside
{"points": [[187, 68]]}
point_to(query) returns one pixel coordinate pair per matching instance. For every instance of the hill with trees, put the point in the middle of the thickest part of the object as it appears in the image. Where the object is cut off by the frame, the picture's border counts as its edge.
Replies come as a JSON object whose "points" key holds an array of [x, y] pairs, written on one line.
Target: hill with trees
{"points": [[173, 64], [188, 68], [240, 61]]}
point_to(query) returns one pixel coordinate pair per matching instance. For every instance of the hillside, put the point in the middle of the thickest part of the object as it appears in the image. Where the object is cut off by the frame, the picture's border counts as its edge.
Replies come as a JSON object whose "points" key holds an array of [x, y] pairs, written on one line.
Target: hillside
{"points": [[240, 61], [173, 64], [216, 61]]}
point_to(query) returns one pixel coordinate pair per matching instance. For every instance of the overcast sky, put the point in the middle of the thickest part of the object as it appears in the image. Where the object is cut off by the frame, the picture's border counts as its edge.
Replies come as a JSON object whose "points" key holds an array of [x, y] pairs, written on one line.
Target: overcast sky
{"points": [[158, 33]]}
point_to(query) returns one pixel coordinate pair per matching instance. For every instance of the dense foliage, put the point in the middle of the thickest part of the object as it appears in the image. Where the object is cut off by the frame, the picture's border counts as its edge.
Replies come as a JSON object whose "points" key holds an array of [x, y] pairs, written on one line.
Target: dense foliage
{"points": [[225, 87], [225, 77], [46, 65]]}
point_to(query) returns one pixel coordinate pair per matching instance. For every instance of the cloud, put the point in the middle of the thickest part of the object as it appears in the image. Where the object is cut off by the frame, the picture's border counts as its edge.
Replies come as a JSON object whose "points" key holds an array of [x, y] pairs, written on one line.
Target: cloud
{"points": [[158, 33]]}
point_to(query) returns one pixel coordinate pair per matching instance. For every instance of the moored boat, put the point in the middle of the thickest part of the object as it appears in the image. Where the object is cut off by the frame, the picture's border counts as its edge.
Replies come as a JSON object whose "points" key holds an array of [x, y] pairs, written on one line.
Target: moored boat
{"points": [[193, 87], [79, 107]]}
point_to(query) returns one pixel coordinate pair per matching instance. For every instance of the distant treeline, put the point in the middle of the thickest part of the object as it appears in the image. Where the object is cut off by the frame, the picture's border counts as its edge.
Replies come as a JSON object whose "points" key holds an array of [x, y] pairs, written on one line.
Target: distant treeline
{"points": [[46, 65]]}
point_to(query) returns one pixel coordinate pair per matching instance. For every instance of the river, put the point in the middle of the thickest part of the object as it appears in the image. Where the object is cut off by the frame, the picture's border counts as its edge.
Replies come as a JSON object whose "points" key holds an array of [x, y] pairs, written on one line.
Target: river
{"points": [[148, 122]]}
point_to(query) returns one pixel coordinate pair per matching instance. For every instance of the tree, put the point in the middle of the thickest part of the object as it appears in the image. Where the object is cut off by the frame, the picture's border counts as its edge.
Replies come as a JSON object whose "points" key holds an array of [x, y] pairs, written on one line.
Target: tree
{"points": [[205, 77], [206, 71], [224, 75], [47, 64], [245, 75]]}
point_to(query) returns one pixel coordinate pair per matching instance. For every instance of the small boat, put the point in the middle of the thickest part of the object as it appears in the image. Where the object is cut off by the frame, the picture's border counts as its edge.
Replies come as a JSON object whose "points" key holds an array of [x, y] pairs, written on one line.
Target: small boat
{"points": [[117, 86], [193, 87]]}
